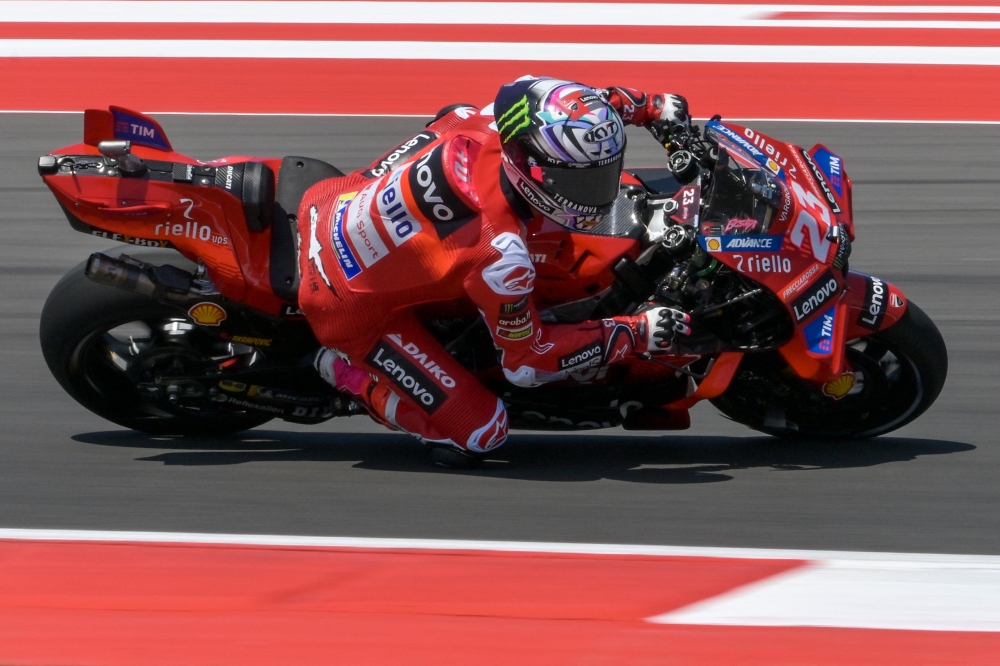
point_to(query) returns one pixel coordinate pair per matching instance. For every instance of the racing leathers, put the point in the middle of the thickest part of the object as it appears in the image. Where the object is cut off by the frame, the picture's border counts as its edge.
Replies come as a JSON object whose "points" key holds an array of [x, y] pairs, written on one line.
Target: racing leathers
{"points": [[432, 222]]}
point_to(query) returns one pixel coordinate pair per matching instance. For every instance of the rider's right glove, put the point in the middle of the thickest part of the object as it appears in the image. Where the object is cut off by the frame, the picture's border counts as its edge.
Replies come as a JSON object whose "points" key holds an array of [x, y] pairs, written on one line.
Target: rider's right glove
{"points": [[664, 324], [655, 330], [665, 112], [668, 108]]}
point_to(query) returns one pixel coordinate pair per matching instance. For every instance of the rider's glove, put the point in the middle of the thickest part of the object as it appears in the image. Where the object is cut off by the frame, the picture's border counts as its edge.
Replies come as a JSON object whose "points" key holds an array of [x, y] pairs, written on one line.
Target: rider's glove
{"points": [[665, 112], [662, 326], [654, 330], [667, 108]]}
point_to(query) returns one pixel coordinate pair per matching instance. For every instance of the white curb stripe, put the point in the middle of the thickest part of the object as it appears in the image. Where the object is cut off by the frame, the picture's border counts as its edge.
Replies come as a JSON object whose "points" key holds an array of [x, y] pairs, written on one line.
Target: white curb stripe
{"points": [[498, 51], [910, 559], [868, 595], [453, 13]]}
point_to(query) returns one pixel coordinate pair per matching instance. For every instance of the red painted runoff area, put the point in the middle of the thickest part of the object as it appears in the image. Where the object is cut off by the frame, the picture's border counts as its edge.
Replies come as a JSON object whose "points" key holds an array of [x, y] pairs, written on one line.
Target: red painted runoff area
{"points": [[339, 86], [66, 602]]}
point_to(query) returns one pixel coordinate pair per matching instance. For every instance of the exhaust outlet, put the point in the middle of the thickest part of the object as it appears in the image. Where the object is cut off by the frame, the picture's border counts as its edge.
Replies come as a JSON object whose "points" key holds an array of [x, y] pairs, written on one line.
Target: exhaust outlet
{"points": [[103, 269], [134, 276]]}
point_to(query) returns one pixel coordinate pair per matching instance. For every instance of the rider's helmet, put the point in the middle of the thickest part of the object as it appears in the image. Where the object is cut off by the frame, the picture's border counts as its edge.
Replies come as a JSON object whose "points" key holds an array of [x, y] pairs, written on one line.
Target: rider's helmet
{"points": [[563, 146]]}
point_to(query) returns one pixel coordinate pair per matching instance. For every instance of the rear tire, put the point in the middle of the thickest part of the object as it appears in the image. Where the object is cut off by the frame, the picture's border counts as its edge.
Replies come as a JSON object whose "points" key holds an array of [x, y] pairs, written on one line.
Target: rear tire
{"points": [[902, 370], [77, 317]]}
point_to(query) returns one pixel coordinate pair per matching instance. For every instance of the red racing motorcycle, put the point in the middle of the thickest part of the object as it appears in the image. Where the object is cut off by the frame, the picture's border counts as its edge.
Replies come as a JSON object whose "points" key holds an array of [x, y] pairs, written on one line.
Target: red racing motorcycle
{"points": [[194, 329]]}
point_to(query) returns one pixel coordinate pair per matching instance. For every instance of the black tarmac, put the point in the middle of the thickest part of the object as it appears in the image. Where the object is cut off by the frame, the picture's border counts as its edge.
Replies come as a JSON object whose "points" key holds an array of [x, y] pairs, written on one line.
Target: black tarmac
{"points": [[926, 208]]}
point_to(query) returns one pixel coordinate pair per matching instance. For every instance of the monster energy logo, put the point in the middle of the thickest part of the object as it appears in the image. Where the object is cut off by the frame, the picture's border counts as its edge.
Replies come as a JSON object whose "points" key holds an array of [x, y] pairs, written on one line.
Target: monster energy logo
{"points": [[514, 119]]}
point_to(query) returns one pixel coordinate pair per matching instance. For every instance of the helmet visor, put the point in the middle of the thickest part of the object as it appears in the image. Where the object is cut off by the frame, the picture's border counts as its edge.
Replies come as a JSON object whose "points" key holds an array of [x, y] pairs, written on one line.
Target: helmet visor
{"points": [[593, 186]]}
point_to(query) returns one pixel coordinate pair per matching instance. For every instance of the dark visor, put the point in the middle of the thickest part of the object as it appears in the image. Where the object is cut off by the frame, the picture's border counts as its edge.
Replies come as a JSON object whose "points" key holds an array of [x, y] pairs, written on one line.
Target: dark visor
{"points": [[593, 186]]}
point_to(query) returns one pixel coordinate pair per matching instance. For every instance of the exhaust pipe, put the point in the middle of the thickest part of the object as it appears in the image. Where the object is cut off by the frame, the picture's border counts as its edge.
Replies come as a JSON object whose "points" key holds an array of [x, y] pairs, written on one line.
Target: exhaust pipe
{"points": [[138, 277]]}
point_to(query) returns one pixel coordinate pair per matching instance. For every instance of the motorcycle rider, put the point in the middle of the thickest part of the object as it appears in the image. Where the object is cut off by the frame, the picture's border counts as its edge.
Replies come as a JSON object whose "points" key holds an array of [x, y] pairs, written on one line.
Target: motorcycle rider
{"points": [[442, 218]]}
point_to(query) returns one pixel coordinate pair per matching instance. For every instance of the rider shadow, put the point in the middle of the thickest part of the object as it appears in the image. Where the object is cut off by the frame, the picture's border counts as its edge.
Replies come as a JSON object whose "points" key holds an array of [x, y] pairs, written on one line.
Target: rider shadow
{"points": [[664, 459]]}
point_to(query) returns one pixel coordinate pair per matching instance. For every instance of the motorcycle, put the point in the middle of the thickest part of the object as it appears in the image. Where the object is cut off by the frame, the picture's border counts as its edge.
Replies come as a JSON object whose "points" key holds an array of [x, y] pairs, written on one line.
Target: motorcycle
{"points": [[195, 330]]}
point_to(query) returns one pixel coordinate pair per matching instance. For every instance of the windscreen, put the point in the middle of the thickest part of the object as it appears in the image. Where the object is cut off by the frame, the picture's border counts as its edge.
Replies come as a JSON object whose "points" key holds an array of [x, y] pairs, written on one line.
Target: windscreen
{"points": [[739, 200]]}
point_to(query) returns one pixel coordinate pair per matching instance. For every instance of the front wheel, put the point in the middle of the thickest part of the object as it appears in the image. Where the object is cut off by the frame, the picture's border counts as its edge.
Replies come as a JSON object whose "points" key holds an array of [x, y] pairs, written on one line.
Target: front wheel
{"points": [[897, 374], [110, 349]]}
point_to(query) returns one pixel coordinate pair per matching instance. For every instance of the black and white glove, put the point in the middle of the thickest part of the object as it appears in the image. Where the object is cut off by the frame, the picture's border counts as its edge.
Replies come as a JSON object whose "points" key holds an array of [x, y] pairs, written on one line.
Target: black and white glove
{"points": [[664, 113], [670, 108], [663, 325]]}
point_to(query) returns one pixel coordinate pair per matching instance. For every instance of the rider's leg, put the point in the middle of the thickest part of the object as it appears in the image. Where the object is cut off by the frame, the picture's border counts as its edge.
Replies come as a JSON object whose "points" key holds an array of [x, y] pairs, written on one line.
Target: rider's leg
{"points": [[420, 389]]}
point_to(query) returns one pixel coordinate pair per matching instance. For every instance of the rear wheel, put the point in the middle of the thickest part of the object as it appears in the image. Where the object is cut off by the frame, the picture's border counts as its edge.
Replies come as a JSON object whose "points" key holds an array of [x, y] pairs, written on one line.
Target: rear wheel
{"points": [[897, 375], [116, 353]]}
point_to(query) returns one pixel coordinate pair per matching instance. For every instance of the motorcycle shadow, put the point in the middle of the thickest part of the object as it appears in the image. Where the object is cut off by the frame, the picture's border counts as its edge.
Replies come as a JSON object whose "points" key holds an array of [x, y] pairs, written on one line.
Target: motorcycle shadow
{"points": [[664, 459]]}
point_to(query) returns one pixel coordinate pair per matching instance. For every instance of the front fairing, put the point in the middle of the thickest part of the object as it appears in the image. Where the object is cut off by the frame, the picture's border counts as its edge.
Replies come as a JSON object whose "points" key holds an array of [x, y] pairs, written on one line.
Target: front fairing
{"points": [[771, 215]]}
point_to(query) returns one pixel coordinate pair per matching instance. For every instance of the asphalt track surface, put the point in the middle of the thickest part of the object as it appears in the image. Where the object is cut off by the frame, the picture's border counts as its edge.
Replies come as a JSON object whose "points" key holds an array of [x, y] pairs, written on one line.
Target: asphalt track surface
{"points": [[927, 218]]}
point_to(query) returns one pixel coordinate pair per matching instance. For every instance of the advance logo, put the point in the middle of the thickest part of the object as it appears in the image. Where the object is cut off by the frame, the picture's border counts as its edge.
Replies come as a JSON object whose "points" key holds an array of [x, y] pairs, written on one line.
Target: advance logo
{"points": [[719, 128], [755, 242]]}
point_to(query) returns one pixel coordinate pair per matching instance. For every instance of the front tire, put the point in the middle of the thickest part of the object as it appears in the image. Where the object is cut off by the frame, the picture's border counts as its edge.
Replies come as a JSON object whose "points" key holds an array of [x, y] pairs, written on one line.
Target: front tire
{"points": [[901, 371], [78, 326]]}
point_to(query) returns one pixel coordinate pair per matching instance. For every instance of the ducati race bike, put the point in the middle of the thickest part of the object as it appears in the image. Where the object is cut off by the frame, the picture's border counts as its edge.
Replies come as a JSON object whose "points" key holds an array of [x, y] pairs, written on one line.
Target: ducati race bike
{"points": [[192, 328]]}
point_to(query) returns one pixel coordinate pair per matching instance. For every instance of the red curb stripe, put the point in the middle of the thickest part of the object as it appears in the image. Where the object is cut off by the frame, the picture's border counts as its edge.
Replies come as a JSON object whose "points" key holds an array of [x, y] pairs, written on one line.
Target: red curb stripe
{"points": [[122, 603], [868, 92]]}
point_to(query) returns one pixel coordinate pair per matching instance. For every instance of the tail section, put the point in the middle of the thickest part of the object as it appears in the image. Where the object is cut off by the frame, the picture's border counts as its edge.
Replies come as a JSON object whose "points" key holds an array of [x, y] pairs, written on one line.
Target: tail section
{"points": [[118, 123]]}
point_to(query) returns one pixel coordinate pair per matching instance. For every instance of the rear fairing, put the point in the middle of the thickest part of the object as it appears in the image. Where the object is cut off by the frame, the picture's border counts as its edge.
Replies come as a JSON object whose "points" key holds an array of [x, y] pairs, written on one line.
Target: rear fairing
{"points": [[178, 203]]}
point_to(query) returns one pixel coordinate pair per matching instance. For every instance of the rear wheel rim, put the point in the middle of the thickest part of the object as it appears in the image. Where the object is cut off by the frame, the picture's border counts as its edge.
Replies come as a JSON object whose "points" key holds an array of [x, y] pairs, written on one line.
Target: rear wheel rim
{"points": [[132, 373]]}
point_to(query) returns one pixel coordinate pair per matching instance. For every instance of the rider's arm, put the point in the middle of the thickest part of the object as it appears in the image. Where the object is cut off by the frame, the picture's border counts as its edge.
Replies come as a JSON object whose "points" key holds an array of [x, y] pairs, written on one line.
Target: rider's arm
{"points": [[639, 108], [533, 353]]}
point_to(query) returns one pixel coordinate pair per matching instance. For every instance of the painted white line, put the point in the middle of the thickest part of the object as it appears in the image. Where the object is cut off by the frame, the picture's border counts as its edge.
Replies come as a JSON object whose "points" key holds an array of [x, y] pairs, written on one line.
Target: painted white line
{"points": [[499, 51], [452, 13], [199, 538], [904, 594]]}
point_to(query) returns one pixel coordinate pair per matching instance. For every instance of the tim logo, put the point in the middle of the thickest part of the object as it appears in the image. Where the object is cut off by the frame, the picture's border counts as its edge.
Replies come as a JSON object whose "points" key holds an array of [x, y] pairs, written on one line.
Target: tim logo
{"points": [[134, 129], [138, 129]]}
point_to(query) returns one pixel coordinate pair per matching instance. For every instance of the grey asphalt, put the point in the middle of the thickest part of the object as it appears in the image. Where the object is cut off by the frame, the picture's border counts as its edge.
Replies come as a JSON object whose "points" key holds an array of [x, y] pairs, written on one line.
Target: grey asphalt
{"points": [[927, 217]]}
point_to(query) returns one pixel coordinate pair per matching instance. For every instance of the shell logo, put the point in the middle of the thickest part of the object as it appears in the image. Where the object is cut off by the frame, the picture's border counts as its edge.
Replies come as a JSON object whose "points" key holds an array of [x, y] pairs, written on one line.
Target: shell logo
{"points": [[207, 314], [713, 244], [840, 386], [773, 166]]}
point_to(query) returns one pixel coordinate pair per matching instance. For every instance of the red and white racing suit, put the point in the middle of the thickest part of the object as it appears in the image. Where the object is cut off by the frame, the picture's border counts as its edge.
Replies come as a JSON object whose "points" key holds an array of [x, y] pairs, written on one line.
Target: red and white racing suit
{"points": [[428, 223]]}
